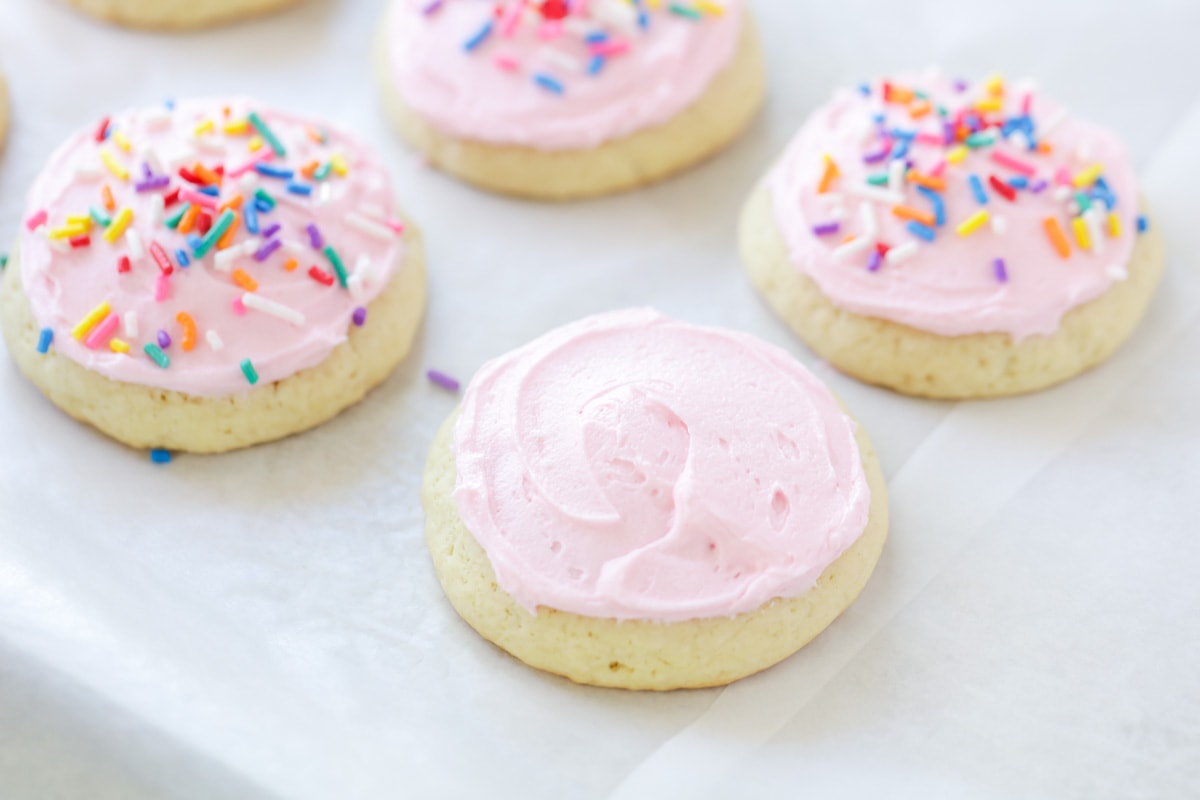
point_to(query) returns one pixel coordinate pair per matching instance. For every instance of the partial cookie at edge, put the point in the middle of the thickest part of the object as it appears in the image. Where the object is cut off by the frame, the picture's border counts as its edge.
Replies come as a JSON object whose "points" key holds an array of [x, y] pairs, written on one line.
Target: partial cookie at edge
{"points": [[177, 14]]}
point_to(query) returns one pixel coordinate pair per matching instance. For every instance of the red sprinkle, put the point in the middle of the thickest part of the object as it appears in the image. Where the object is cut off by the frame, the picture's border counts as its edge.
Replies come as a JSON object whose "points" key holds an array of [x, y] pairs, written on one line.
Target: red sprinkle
{"points": [[102, 131], [320, 276], [160, 257], [882, 248], [190, 176], [124, 264], [1009, 193], [171, 198], [203, 222], [82, 240]]}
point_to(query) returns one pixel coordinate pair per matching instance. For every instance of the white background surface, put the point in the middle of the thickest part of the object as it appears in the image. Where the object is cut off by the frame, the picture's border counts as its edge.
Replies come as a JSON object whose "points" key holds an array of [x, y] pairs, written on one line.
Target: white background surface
{"points": [[268, 624]]}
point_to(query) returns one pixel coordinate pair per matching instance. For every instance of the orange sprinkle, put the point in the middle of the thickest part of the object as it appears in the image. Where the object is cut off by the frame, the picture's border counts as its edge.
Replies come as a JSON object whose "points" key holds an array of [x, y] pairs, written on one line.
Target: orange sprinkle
{"points": [[1045, 147], [920, 109], [308, 169], [314, 134], [291, 264], [916, 214], [226, 110], [1057, 237], [233, 202], [245, 281], [928, 181], [227, 237], [188, 221], [205, 174], [962, 133], [831, 173], [106, 194], [898, 94], [189, 330]]}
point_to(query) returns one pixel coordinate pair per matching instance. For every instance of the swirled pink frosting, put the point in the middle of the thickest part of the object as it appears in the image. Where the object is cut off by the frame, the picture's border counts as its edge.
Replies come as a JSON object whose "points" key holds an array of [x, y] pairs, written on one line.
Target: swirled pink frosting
{"points": [[63, 283], [951, 286], [629, 466], [489, 93]]}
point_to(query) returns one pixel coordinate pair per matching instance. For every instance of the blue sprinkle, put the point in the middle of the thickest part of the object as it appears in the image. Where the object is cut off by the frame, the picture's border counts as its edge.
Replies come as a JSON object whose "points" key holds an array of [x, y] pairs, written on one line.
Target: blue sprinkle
{"points": [[479, 37], [597, 64], [250, 214], [596, 38], [44, 340], [643, 20], [977, 189], [160, 456], [1143, 224], [274, 172], [547, 82], [879, 119], [864, 89], [262, 206], [901, 148], [299, 188], [924, 231], [182, 257], [939, 207], [1018, 182], [170, 104], [194, 241], [211, 191]]}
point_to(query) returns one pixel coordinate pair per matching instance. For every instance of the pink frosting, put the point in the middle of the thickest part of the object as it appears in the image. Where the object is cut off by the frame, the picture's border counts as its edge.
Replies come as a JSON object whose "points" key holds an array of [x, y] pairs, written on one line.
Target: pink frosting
{"points": [[64, 283], [489, 93], [952, 286], [629, 466]]}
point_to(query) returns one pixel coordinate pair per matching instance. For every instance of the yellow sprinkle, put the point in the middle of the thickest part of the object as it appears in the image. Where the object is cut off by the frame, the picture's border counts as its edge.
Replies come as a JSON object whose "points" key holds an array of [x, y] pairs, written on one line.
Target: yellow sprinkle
{"points": [[995, 85], [113, 165], [1081, 233], [236, 128], [973, 223], [338, 162], [957, 155], [709, 8], [991, 104], [1088, 176], [255, 144], [67, 231], [90, 321], [80, 219], [205, 127], [122, 141], [1114, 224], [119, 224], [118, 346]]}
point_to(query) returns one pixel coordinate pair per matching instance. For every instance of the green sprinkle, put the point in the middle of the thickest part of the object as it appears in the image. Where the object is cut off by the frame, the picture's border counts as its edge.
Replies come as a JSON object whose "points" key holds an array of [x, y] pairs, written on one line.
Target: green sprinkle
{"points": [[99, 217], [338, 266], [3, 261], [249, 372], [322, 172], [877, 180], [266, 198], [214, 234], [156, 353], [1084, 201], [981, 139], [267, 134], [684, 11], [943, 111], [917, 93], [173, 220]]}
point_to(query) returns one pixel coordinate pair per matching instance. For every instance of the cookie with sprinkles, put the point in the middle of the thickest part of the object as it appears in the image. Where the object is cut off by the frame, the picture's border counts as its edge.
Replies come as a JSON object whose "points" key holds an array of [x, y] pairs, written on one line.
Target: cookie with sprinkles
{"points": [[210, 275], [177, 14], [562, 99], [953, 240]]}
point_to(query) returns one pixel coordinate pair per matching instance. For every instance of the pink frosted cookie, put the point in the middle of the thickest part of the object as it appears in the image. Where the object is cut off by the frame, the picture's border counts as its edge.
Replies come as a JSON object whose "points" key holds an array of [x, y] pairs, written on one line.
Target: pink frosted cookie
{"points": [[953, 240], [211, 276], [560, 99], [637, 502]]}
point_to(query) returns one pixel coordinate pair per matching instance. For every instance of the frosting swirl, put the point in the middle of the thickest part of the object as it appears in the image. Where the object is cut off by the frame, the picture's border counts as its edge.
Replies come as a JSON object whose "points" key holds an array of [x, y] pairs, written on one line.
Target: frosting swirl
{"points": [[125, 225], [553, 77], [1000, 160], [629, 466]]}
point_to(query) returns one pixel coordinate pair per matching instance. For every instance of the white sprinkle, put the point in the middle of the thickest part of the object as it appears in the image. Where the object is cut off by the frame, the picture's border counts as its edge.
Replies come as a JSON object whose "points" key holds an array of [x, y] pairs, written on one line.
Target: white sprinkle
{"points": [[876, 195], [870, 222], [248, 182], [851, 248], [294, 248], [896, 169], [278, 310], [251, 245], [837, 213], [615, 14], [1083, 152], [1022, 140], [150, 156], [223, 260], [827, 200], [137, 250], [88, 172], [376, 210], [364, 269], [208, 144], [561, 60], [214, 341], [361, 223], [1062, 194], [129, 323], [60, 245], [1072, 208], [324, 194], [157, 119], [1117, 273], [157, 208], [1094, 219], [354, 285], [901, 253], [999, 225], [1049, 126]]}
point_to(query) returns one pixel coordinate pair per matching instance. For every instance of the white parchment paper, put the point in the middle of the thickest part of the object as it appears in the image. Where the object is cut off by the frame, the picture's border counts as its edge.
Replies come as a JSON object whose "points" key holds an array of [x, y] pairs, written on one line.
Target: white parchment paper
{"points": [[267, 623]]}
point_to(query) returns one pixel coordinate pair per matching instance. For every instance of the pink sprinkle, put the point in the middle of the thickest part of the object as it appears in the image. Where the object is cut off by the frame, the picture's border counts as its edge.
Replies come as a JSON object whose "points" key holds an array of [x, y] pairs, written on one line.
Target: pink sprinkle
{"points": [[37, 220], [938, 169], [507, 63], [1013, 163], [199, 198], [513, 16], [162, 289], [239, 307], [1063, 176], [398, 227], [931, 138], [611, 47], [102, 332], [265, 154], [1027, 103], [550, 29]]}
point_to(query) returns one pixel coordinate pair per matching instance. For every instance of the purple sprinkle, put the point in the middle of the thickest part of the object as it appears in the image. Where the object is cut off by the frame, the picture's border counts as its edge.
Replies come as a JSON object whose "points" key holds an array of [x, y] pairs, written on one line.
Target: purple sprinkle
{"points": [[960, 85], [271, 230], [1038, 186], [164, 340], [314, 236], [874, 262], [265, 251], [360, 316], [146, 171], [826, 228], [877, 156], [433, 7], [948, 133], [1000, 270], [150, 184], [443, 380]]}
